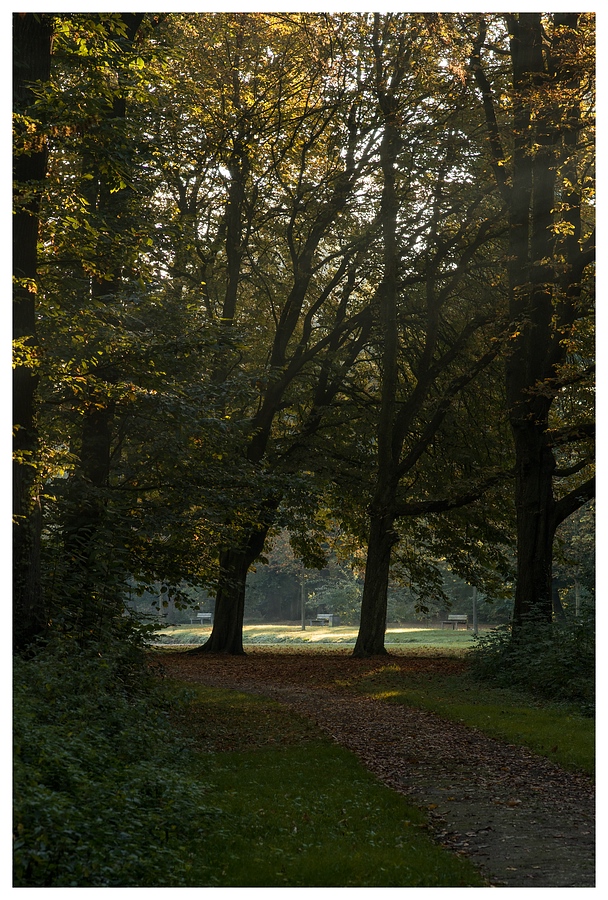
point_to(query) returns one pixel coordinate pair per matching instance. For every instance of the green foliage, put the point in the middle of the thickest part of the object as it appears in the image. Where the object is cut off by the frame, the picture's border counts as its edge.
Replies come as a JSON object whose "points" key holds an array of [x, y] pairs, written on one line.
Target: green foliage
{"points": [[329, 582], [574, 559], [340, 594], [99, 774], [554, 661]]}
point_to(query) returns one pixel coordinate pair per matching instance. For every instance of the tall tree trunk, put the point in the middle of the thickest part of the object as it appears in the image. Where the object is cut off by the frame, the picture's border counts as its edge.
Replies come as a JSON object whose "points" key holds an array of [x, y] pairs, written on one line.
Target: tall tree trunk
{"points": [[31, 63], [545, 274], [531, 307], [85, 515], [535, 524], [382, 538], [227, 632]]}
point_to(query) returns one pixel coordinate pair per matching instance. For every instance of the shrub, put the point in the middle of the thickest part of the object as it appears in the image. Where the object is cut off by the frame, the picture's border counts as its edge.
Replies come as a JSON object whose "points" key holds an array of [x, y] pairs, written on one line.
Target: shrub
{"points": [[556, 662], [99, 778]]}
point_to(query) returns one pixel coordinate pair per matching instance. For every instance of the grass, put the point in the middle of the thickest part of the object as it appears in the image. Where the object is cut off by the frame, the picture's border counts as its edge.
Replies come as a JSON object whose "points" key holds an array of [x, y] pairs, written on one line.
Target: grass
{"points": [[555, 731], [551, 730], [120, 787], [411, 638], [299, 811], [163, 785]]}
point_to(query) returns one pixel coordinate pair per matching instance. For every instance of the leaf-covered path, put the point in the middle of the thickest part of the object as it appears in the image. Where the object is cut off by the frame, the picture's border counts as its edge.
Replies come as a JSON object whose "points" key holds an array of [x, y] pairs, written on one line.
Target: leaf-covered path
{"points": [[522, 820]]}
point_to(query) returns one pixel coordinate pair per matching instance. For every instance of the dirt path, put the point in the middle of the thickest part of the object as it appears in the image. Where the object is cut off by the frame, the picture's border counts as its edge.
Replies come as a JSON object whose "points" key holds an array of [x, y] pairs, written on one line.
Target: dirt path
{"points": [[522, 820]]}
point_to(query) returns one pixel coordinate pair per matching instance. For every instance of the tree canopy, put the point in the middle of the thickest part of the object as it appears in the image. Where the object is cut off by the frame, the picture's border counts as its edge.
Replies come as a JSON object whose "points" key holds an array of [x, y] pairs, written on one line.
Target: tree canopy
{"points": [[322, 273]]}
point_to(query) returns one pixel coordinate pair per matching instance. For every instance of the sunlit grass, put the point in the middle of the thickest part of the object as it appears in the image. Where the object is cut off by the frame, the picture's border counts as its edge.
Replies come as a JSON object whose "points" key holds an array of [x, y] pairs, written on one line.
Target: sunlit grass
{"points": [[397, 638]]}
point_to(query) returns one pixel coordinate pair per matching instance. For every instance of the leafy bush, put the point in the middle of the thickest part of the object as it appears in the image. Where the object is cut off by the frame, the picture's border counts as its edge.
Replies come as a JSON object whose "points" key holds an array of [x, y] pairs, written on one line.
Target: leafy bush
{"points": [[99, 778], [554, 661]]}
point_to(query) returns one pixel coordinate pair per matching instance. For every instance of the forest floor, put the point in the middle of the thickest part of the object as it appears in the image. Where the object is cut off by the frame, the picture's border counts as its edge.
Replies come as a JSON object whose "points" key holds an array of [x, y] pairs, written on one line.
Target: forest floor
{"points": [[522, 820]]}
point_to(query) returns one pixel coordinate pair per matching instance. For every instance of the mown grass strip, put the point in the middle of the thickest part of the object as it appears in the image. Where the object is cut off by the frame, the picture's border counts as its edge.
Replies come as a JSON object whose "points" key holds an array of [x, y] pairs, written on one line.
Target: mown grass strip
{"points": [[300, 811], [398, 639], [550, 730]]}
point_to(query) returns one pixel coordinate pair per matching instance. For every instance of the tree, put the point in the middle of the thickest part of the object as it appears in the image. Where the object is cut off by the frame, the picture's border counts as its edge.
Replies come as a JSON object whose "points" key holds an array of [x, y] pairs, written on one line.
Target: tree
{"points": [[539, 119], [31, 68], [272, 291], [87, 261], [436, 332], [266, 201], [112, 401]]}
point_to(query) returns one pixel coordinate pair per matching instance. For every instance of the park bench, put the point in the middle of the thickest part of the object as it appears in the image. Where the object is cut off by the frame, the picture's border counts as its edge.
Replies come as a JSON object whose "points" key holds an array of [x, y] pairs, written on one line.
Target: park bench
{"points": [[202, 618], [455, 621], [323, 619]]}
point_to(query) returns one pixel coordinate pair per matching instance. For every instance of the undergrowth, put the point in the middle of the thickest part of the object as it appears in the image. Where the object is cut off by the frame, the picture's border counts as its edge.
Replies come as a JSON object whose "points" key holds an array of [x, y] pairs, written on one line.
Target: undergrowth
{"points": [[97, 774], [555, 662]]}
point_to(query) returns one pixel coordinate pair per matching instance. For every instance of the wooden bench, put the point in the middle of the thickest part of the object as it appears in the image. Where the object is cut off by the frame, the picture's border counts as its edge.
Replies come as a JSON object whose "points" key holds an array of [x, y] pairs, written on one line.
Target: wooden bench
{"points": [[455, 621], [202, 618], [323, 619]]}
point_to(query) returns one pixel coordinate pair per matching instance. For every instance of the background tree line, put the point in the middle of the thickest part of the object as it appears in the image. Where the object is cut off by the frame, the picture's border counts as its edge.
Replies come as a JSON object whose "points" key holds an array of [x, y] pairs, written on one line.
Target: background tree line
{"points": [[282, 273]]}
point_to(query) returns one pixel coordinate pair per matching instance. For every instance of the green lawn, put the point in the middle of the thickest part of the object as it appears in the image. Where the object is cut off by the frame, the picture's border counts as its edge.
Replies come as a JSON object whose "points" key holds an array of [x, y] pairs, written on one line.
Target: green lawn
{"points": [[411, 638], [162, 784], [296, 810]]}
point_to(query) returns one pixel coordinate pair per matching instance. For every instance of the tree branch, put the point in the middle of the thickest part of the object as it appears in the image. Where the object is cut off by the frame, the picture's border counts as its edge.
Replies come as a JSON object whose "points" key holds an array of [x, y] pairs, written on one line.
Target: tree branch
{"points": [[573, 469], [496, 148], [572, 433], [444, 504], [573, 501]]}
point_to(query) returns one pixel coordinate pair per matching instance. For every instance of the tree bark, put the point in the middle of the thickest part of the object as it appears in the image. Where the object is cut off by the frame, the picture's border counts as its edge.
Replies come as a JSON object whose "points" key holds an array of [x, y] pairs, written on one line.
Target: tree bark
{"points": [[87, 492], [530, 307], [227, 632], [85, 514], [545, 275], [382, 539], [539, 348], [32, 36], [535, 524]]}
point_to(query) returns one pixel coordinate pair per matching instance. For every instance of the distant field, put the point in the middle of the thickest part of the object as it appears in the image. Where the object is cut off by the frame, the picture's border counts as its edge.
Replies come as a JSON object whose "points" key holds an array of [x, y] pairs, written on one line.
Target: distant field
{"points": [[320, 637]]}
